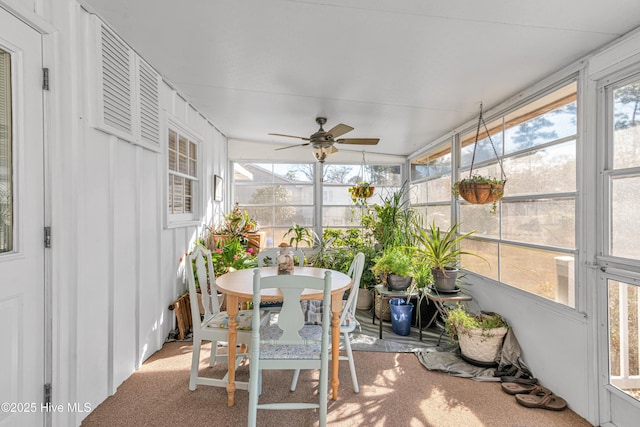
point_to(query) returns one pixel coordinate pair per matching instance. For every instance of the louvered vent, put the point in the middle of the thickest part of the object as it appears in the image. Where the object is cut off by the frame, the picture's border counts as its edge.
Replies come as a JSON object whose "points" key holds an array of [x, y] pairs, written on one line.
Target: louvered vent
{"points": [[149, 104], [116, 83]]}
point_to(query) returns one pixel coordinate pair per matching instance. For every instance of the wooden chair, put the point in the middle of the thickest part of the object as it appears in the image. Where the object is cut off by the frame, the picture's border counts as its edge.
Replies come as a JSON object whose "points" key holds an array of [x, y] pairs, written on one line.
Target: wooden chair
{"points": [[268, 257], [286, 344], [213, 326], [348, 322]]}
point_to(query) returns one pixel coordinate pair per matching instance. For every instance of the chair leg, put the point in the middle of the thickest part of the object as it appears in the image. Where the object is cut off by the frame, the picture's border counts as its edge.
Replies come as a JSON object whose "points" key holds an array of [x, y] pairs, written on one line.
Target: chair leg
{"points": [[214, 353], [195, 362], [254, 390], [294, 381], [352, 365]]}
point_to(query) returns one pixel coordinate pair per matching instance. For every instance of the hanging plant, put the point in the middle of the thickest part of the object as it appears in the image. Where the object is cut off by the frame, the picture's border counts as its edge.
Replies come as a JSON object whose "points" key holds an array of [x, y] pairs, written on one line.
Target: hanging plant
{"points": [[362, 190], [478, 189]]}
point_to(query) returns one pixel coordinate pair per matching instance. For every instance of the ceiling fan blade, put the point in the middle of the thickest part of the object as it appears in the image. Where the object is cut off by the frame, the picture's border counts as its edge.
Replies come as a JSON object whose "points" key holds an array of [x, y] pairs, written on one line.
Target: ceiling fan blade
{"points": [[290, 136], [291, 146], [339, 130], [361, 141]]}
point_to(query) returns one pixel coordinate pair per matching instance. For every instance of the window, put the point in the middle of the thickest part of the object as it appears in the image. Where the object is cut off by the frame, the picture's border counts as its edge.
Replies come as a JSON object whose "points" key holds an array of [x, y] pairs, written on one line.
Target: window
{"points": [[530, 242], [431, 185], [624, 171], [338, 210], [277, 195], [182, 154], [6, 173]]}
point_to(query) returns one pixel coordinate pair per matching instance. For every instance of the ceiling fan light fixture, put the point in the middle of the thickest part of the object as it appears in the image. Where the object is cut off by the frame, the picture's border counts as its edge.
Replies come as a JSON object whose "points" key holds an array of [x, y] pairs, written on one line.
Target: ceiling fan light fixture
{"points": [[322, 152]]}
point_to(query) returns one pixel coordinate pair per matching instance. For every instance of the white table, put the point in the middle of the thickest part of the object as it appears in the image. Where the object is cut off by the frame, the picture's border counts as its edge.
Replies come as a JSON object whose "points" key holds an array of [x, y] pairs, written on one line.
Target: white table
{"points": [[238, 287]]}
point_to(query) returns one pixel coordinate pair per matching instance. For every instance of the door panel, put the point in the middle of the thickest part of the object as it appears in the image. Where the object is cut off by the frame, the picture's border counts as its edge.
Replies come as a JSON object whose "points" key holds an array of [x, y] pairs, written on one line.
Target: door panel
{"points": [[22, 216], [620, 249]]}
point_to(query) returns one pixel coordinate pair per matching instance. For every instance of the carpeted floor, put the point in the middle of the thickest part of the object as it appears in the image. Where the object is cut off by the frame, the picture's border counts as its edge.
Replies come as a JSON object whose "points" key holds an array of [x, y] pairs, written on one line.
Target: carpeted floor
{"points": [[395, 390]]}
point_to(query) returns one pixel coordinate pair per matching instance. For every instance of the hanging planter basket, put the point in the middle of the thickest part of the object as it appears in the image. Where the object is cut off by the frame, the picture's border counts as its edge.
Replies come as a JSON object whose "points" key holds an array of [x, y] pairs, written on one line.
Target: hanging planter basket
{"points": [[480, 193], [479, 190], [361, 191]]}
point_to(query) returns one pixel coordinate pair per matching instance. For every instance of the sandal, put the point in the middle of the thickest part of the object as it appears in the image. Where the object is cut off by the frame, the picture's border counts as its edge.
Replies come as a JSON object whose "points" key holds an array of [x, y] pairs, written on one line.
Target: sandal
{"points": [[543, 398], [517, 388]]}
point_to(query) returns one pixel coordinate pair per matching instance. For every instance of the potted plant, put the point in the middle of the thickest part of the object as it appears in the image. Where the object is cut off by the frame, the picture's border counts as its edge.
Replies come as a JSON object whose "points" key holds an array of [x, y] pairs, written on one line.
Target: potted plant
{"points": [[394, 269], [441, 250], [237, 224], [299, 235], [479, 335], [361, 191], [337, 249], [480, 190]]}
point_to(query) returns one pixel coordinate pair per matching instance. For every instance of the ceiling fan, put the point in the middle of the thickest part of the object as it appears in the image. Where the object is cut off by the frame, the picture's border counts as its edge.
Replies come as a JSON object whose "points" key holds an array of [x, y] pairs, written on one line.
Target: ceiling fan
{"points": [[322, 141]]}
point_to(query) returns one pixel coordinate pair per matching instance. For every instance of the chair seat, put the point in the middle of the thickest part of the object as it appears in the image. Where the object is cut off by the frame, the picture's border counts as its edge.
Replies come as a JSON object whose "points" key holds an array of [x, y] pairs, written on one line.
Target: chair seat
{"points": [[221, 320], [284, 351]]}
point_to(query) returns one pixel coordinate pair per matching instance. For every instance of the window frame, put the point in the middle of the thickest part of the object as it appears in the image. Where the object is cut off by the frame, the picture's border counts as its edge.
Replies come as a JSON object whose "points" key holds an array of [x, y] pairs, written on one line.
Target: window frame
{"points": [[197, 185], [459, 171]]}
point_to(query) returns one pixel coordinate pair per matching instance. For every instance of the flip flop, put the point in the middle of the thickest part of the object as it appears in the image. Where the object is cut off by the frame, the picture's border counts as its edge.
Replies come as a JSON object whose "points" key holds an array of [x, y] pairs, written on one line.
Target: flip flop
{"points": [[516, 388], [519, 380], [542, 398]]}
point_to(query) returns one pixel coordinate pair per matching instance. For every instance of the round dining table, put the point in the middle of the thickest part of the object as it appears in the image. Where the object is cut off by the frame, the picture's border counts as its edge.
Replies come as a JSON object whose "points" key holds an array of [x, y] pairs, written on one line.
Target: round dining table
{"points": [[237, 286]]}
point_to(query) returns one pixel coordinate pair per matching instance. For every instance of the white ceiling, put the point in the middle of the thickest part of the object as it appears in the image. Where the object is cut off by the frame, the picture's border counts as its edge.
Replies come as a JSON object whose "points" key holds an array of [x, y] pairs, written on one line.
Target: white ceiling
{"points": [[406, 71]]}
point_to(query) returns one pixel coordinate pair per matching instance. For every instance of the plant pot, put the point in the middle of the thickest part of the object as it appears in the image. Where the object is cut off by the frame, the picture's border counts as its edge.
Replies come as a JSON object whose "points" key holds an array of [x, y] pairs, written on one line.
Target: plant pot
{"points": [[398, 283], [401, 312], [365, 299], [480, 348], [480, 193], [445, 281]]}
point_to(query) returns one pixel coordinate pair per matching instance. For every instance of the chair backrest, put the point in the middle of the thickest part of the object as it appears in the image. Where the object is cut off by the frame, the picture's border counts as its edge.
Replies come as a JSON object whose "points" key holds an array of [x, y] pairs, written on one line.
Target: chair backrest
{"points": [[291, 319], [355, 272], [268, 257], [200, 260]]}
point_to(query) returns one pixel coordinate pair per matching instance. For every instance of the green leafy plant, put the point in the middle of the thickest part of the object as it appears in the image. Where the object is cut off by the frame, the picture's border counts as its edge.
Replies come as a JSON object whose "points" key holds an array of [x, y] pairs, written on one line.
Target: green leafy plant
{"points": [[361, 192], [392, 222], [237, 222], [299, 235], [228, 256], [393, 261], [459, 322], [440, 249], [339, 247]]}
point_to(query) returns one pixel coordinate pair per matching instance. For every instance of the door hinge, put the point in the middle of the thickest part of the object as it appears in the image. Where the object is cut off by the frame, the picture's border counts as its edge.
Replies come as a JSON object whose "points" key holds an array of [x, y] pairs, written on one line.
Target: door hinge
{"points": [[45, 79], [47, 237], [47, 394]]}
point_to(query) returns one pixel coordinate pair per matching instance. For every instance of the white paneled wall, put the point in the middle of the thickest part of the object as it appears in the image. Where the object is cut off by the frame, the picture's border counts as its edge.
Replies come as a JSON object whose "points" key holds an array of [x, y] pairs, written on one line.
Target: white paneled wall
{"points": [[116, 264]]}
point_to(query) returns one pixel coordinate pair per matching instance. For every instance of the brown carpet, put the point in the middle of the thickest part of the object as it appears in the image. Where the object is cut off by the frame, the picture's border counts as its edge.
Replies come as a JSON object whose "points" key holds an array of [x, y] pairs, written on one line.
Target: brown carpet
{"points": [[395, 390]]}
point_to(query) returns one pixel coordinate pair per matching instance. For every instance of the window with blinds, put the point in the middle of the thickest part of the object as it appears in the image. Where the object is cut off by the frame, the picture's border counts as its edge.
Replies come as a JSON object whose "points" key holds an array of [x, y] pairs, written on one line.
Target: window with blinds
{"points": [[6, 185], [183, 173]]}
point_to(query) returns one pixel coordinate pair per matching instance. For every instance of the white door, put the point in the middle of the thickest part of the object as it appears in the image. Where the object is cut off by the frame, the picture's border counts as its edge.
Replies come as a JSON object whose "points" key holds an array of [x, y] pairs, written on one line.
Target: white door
{"points": [[619, 274], [22, 326]]}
